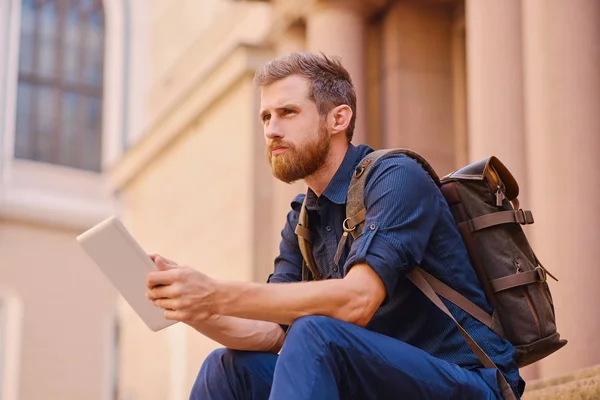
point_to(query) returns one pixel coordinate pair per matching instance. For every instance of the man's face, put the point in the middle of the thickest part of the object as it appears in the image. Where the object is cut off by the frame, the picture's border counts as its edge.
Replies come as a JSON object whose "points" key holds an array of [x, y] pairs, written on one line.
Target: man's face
{"points": [[297, 138]]}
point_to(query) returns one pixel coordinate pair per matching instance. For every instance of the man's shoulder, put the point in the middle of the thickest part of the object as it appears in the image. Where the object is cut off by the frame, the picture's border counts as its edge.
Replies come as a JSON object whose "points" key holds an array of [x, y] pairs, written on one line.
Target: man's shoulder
{"points": [[400, 167], [296, 203]]}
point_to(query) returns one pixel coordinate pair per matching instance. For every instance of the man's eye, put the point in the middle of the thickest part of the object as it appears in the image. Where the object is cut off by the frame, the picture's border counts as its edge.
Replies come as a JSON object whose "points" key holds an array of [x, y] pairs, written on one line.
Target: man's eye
{"points": [[288, 112], [266, 117]]}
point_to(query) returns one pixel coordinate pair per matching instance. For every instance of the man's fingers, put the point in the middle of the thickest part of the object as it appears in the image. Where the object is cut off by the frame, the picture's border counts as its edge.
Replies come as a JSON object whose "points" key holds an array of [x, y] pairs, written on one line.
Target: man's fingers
{"points": [[166, 304], [163, 292], [173, 315], [156, 278]]}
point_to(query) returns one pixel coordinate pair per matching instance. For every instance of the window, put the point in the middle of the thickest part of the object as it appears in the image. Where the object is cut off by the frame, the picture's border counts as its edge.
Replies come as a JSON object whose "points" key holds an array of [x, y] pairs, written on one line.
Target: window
{"points": [[60, 83]]}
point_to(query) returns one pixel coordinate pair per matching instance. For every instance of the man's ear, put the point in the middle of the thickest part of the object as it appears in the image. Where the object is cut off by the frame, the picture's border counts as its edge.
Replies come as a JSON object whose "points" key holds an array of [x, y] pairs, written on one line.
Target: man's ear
{"points": [[340, 118]]}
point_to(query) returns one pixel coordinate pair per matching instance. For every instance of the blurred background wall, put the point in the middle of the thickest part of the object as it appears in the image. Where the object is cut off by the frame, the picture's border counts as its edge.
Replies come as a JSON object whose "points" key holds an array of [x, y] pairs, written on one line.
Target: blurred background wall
{"points": [[146, 109]]}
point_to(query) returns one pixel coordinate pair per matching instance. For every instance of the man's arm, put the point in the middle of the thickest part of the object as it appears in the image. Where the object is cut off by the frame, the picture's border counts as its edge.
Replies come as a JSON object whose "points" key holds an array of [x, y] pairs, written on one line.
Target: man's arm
{"points": [[190, 296], [242, 334], [353, 299]]}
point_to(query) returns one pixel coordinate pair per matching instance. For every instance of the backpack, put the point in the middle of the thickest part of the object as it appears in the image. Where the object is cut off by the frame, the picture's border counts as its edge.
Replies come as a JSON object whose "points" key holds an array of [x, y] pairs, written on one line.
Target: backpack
{"points": [[483, 200]]}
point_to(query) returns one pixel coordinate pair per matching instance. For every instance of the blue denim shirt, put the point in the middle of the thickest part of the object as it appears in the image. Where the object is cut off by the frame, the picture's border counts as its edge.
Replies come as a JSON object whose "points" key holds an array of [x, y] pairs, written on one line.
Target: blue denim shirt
{"points": [[408, 223]]}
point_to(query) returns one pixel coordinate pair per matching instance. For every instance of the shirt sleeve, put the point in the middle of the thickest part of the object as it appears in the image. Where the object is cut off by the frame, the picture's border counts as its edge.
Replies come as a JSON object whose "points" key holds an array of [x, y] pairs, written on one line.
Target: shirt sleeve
{"points": [[288, 264], [402, 207]]}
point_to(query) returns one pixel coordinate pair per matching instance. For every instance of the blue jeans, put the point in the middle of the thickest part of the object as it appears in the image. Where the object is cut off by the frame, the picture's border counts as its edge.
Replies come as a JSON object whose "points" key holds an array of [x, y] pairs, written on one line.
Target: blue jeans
{"points": [[324, 358]]}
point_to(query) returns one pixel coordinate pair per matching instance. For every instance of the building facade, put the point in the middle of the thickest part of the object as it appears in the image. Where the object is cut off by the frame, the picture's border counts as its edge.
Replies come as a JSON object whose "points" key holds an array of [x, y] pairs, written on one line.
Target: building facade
{"points": [[183, 163]]}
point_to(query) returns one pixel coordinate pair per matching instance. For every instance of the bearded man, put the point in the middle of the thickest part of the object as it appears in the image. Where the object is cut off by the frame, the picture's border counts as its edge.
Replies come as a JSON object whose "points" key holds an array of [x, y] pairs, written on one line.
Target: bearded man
{"points": [[363, 331]]}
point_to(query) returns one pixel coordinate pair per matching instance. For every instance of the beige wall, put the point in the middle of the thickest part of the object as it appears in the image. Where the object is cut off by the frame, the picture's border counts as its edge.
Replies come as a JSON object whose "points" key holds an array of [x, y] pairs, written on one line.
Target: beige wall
{"points": [[167, 45], [67, 316]]}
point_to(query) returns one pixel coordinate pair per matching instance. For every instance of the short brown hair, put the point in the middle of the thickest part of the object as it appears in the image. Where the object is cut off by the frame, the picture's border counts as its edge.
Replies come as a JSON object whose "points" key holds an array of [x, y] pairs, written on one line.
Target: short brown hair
{"points": [[330, 83]]}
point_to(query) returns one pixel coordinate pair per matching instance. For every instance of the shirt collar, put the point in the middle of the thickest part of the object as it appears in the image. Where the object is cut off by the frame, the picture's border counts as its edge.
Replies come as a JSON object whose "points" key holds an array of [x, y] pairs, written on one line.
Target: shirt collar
{"points": [[337, 189]]}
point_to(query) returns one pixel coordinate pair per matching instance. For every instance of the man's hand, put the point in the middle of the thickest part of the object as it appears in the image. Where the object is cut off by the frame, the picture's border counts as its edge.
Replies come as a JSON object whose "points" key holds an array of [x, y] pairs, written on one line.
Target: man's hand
{"points": [[186, 294]]}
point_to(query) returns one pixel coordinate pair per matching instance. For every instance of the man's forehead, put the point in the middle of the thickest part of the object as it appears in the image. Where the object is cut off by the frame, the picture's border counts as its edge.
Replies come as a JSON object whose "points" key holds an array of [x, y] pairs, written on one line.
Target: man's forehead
{"points": [[293, 89]]}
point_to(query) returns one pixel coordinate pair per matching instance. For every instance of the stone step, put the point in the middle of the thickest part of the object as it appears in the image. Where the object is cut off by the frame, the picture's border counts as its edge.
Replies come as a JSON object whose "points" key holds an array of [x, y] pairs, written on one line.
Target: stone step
{"points": [[580, 385]]}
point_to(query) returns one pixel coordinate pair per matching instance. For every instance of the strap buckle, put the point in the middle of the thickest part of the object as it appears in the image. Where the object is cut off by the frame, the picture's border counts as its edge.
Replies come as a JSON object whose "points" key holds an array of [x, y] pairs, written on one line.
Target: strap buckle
{"points": [[541, 274], [524, 217], [346, 227], [361, 168]]}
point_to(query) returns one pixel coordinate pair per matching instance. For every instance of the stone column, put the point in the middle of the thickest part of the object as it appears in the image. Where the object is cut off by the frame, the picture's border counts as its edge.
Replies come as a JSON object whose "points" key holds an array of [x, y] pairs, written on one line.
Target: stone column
{"points": [[496, 123], [417, 81], [562, 86], [337, 28]]}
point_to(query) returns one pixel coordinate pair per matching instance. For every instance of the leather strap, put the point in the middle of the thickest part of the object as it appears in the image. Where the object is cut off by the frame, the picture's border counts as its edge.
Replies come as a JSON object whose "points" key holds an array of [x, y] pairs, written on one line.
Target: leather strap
{"points": [[356, 191], [421, 283], [303, 232], [501, 217], [461, 301], [305, 245], [537, 275], [352, 222], [340, 249]]}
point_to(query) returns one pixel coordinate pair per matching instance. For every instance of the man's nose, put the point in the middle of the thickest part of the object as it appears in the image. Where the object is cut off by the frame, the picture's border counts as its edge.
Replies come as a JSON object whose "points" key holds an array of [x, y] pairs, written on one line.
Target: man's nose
{"points": [[273, 131]]}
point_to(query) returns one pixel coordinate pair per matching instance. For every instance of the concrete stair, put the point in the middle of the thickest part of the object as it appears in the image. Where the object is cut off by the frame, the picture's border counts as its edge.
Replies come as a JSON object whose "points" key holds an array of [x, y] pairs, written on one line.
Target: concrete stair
{"points": [[580, 385]]}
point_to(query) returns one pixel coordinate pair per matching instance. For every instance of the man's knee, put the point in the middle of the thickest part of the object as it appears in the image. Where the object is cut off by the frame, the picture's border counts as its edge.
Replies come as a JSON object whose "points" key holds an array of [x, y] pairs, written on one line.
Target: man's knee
{"points": [[214, 366], [315, 328], [226, 372], [223, 362], [215, 374]]}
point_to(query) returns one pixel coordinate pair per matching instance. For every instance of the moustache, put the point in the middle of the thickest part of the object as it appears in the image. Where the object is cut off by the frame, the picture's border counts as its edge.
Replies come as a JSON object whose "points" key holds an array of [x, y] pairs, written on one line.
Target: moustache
{"points": [[279, 143]]}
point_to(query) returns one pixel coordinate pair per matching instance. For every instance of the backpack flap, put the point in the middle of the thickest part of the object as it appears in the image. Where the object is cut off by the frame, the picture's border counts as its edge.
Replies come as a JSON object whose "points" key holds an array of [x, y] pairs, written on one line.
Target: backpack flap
{"points": [[499, 179]]}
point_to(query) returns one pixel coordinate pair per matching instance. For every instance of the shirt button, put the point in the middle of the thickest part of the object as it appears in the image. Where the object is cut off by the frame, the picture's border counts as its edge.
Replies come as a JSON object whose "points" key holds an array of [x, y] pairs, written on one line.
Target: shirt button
{"points": [[335, 269], [328, 228], [372, 227]]}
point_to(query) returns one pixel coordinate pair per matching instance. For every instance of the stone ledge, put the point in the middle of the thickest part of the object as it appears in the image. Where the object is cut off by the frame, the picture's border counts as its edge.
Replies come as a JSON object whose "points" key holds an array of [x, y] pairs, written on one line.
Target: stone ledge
{"points": [[580, 385]]}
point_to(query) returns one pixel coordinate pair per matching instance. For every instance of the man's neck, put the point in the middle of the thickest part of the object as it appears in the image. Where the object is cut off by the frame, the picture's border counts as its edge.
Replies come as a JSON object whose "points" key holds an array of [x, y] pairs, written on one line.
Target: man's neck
{"points": [[320, 179]]}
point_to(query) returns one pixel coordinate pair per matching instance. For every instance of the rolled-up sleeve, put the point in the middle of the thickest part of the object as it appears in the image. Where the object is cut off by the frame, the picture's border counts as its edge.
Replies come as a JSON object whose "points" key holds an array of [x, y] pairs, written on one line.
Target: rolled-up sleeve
{"points": [[402, 207]]}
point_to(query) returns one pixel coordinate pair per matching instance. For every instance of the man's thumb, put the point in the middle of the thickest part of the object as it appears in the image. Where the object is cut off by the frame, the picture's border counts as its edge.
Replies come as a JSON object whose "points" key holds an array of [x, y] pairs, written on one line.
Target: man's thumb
{"points": [[163, 264]]}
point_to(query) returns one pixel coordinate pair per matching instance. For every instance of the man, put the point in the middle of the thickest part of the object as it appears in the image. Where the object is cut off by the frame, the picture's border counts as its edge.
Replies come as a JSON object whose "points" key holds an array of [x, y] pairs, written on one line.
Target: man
{"points": [[364, 332]]}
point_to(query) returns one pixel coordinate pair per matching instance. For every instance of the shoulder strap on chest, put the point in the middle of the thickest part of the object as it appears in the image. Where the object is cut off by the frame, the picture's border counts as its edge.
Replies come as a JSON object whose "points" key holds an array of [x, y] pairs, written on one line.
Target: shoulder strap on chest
{"points": [[355, 203], [305, 244]]}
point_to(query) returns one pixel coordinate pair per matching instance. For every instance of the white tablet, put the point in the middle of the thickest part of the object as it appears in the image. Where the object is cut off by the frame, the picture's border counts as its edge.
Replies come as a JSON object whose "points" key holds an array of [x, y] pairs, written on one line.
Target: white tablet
{"points": [[126, 265]]}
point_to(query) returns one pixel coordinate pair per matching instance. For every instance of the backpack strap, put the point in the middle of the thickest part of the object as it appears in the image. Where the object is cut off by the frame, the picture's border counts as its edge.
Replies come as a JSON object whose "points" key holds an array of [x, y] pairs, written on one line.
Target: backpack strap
{"points": [[305, 243], [458, 299], [416, 277], [354, 224], [355, 205]]}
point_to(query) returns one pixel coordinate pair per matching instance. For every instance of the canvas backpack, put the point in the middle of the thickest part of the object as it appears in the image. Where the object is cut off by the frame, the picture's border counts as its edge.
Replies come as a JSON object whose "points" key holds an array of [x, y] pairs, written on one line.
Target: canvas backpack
{"points": [[483, 200]]}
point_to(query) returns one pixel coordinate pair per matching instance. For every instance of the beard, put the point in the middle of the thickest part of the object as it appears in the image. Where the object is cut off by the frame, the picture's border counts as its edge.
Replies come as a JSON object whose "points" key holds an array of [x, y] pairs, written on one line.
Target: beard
{"points": [[298, 163]]}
